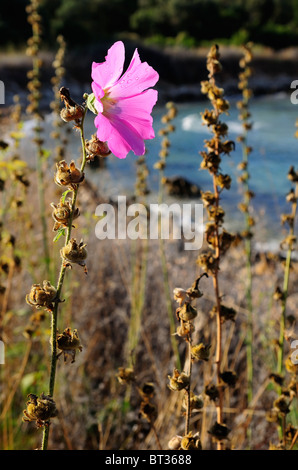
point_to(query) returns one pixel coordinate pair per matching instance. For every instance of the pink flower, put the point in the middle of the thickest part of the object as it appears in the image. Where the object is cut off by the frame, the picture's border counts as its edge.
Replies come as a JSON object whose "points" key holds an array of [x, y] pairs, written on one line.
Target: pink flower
{"points": [[123, 103]]}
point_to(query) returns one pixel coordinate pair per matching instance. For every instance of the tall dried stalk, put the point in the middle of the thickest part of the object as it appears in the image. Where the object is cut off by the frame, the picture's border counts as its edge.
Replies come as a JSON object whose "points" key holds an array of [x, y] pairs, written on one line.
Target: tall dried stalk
{"points": [[218, 239], [245, 205]]}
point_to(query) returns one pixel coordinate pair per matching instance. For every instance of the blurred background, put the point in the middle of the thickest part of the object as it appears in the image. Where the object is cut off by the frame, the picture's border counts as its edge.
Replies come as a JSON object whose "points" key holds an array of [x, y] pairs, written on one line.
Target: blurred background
{"points": [[117, 316]]}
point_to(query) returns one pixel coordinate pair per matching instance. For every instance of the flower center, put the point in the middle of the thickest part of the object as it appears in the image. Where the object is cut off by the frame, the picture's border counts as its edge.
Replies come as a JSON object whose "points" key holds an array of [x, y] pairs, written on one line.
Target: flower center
{"points": [[107, 101]]}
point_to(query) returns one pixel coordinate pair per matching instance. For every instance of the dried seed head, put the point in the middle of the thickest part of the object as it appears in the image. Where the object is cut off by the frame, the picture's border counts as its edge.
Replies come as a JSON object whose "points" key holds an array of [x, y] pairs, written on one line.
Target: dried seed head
{"points": [[42, 296], [191, 442], [68, 175], [185, 329], [187, 312], [96, 148], [281, 404], [194, 292], [292, 175], [69, 342], [40, 409], [62, 213], [226, 313], [147, 390], [219, 431], [229, 377], [72, 111], [178, 381], [148, 410], [208, 262], [125, 375], [175, 443], [290, 365], [180, 295], [196, 402], [74, 252], [201, 352], [211, 391]]}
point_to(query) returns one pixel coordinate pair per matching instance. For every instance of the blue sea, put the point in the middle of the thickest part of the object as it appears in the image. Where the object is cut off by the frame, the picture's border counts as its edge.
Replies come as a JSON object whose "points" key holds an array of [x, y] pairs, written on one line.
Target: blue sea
{"points": [[275, 149]]}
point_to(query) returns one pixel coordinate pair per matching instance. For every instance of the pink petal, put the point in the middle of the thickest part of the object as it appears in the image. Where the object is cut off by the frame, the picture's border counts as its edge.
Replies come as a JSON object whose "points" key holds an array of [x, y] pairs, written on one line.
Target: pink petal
{"points": [[136, 110], [98, 93], [107, 73], [138, 77], [120, 135]]}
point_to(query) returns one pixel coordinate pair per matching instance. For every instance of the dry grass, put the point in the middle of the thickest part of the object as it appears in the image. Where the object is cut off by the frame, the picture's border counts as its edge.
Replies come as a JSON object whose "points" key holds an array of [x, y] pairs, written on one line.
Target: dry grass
{"points": [[95, 411]]}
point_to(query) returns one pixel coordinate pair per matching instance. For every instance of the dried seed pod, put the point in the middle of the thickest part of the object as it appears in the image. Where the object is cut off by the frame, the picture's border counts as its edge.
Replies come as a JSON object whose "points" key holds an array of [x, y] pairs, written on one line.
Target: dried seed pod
{"points": [[148, 410], [211, 391], [147, 390], [185, 329], [42, 296], [96, 147], [40, 409], [62, 213], [178, 381], [281, 404], [219, 431], [194, 292], [196, 402], [180, 295], [74, 252], [187, 312], [229, 377], [69, 342], [126, 375], [72, 113], [191, 442], [175, 443], [72, 110], [201, 352], [68, 175]]}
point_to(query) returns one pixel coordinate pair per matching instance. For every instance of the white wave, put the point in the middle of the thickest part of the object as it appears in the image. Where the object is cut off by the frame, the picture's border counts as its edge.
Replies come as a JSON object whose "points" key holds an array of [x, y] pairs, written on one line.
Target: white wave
{"points": [[193, 123], [236, 126]]}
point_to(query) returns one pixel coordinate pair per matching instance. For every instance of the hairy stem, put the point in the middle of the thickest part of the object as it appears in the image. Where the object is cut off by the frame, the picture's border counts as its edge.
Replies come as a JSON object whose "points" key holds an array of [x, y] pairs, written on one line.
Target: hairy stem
{"points": [[59, 289]]}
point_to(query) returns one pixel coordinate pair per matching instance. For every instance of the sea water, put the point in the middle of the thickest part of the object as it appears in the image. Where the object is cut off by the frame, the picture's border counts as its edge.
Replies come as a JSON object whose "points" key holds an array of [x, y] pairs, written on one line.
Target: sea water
{"points": [[275, 149]]}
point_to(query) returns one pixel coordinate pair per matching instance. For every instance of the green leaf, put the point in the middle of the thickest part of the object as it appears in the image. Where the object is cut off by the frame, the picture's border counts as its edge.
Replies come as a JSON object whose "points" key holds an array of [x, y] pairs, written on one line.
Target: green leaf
{"points": [[60, 232], [90, 102], [64, 195]]}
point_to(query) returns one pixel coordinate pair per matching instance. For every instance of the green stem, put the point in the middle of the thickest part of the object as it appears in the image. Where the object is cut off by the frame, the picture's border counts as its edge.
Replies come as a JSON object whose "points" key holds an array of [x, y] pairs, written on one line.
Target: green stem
{"points": [[280, 354], [188, 391], [248, 291], [59, 289]]}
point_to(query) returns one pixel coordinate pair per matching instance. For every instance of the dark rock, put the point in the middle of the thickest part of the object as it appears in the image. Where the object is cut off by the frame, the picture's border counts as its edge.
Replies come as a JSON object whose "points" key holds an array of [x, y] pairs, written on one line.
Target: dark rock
{"points": [[181, 187]]}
